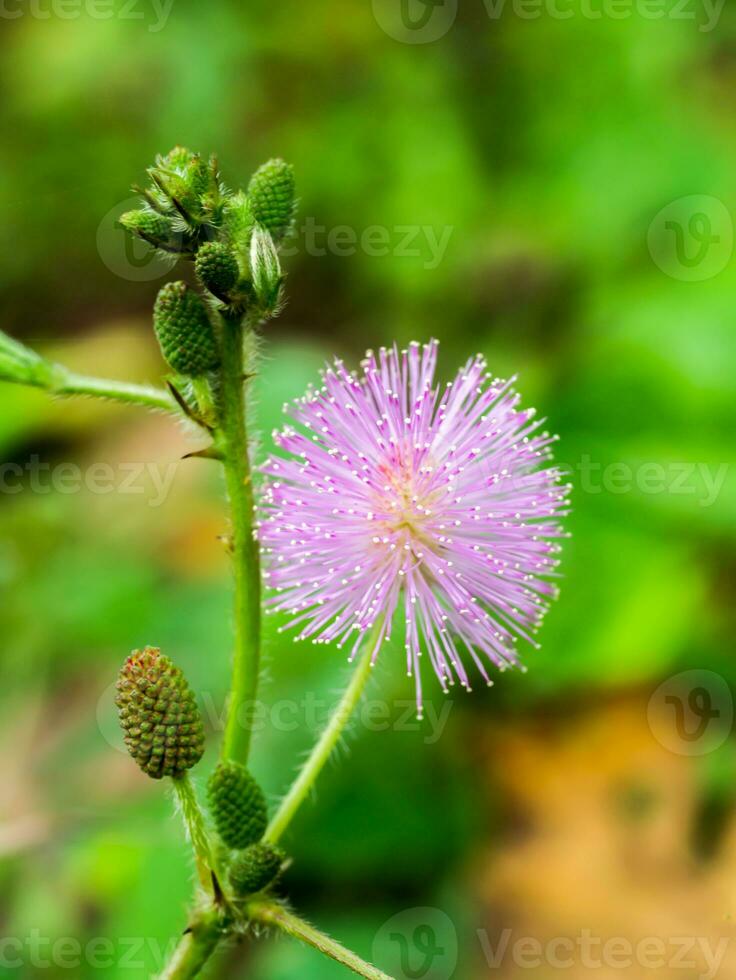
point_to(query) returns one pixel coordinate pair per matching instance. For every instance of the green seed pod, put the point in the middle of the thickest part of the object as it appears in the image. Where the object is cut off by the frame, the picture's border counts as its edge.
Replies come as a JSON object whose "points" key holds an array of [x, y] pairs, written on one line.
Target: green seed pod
{"points": [[152, 227], [184, 330], [161, 723], [256, 868], [217, 269], [237, 804], [271, 192]]}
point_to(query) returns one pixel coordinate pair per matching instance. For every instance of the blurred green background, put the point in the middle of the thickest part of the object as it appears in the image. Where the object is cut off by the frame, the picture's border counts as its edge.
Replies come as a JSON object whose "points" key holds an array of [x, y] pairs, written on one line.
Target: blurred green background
{"points": [[556, 192]]}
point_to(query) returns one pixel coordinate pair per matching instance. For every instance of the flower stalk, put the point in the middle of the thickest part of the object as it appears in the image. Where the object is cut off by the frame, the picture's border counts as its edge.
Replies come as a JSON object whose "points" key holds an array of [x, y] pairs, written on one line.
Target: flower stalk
{"points": [[329, 738]]}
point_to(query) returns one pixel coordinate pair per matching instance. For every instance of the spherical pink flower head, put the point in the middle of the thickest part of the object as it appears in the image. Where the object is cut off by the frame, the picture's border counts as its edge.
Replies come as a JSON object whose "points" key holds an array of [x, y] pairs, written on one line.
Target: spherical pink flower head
{"points": [[404, 500]]}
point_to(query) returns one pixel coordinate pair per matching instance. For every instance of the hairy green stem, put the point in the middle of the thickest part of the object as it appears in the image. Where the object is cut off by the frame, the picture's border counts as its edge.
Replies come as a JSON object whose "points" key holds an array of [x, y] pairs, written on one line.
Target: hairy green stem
{"points": [[194, 948], [147, 396], [34, 372], [246, 563], [273, 914], [327, 741], [196, 830]]}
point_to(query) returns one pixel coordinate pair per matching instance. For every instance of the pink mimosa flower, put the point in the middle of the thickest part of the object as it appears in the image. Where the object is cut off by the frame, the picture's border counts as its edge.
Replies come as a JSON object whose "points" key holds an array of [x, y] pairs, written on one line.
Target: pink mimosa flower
{"points": [[401, 501]]}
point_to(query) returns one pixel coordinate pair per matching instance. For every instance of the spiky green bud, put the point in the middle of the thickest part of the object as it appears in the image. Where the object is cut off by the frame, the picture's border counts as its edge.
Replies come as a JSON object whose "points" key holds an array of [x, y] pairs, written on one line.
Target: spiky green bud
{"points": [[154, 228], [161, 723], [237, 805], [255, 869], [217, 269], [184, 330], [239, 221], [265, 269], [201, 175], [188, 186], [271, 193], [177, 158]]}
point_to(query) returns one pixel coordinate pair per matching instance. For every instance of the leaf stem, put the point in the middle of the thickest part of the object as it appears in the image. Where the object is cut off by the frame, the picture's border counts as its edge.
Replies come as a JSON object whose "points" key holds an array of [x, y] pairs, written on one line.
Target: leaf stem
{"points": [[57, 380], [273, 914], [121, 391], [327, 741], [246, 562]]}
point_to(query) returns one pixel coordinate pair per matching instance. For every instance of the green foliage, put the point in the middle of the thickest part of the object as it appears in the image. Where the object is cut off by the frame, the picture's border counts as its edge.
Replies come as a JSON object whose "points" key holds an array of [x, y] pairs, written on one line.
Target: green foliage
{"points": [[21, 364], [237, 805], [161, 722], [546, 270]]}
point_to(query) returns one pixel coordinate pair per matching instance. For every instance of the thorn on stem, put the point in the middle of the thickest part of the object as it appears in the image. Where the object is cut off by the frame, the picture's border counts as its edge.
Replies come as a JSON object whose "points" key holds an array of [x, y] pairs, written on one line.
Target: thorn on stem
{"points": [[187, 408], [209, 452]]}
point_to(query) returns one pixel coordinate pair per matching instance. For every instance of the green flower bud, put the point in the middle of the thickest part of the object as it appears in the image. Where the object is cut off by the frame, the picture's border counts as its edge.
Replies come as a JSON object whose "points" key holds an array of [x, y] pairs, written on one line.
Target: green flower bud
{"points": [[187, 185], [153, 228], [265, 269], [176, 159], [239, 221], [160, 720], [237, 805], [217, 269], [271, 192], [184, 330], [201, 176], [255, 869]]}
